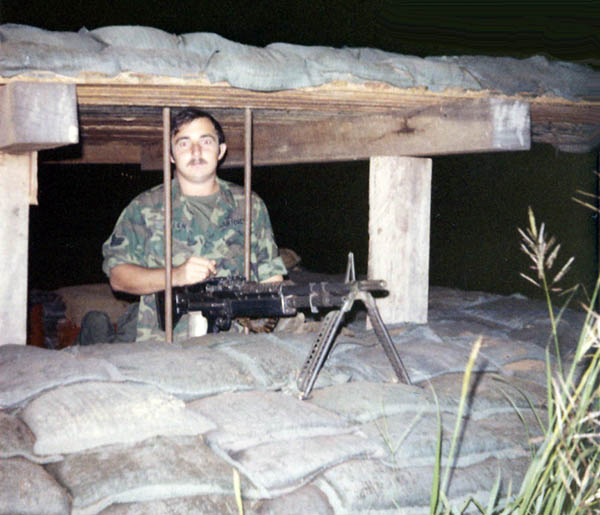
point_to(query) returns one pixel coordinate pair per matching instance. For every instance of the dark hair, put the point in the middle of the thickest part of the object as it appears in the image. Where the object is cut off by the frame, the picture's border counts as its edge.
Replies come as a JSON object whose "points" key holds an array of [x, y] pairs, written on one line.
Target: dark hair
{"points": [[189, 114]]}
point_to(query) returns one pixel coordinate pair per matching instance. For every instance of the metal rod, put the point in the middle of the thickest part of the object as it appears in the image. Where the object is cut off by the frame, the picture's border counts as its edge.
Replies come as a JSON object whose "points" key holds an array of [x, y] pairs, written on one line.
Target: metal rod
{"points": [[168, 236], [247, 190]]}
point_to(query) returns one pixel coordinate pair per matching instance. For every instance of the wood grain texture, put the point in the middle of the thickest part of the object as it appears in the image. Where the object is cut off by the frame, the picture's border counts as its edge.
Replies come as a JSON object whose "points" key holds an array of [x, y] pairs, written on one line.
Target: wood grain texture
{"points": [[481, 125], [35, 116], [14, 236], [399, 220]]}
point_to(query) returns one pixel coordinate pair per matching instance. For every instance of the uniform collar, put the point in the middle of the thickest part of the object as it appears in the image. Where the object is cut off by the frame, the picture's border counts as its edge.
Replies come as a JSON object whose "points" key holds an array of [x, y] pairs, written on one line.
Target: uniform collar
{"points": [[225, 201], [226, 194]]}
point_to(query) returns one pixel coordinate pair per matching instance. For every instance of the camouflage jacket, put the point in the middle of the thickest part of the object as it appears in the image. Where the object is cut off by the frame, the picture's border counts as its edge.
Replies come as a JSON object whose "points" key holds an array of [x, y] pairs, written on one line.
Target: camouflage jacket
{"points": [[138, 239]]}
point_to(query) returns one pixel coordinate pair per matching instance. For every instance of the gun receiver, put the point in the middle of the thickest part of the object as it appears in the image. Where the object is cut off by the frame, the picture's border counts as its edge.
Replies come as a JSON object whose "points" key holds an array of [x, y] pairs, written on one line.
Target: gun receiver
{"points": [[222, 299]]}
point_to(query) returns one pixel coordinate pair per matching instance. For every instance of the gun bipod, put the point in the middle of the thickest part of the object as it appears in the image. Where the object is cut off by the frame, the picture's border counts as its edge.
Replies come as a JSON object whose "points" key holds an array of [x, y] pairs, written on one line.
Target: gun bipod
{"points": [[322, 346], [325, 340]]}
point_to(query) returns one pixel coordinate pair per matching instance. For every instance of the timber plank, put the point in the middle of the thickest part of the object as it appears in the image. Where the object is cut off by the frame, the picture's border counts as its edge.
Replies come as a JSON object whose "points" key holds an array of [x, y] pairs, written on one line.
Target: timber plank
{"points": [[36, 116], [285, 137], [399, 220], [14, 235]]}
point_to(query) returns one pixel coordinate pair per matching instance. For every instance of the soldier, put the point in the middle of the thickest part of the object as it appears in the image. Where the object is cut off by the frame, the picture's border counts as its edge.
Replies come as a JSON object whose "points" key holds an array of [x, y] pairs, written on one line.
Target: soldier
{"points": [[208, 226]]}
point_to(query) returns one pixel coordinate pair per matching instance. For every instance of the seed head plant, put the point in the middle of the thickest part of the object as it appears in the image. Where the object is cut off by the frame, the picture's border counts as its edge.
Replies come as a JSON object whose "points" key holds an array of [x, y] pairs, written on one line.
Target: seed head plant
{"points": [[564, 474], [543, 251]]}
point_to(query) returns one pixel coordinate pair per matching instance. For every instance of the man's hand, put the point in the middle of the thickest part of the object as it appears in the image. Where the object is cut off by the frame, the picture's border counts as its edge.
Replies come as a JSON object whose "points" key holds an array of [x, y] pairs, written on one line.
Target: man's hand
{"points": [[194, 270], [139, 280]]}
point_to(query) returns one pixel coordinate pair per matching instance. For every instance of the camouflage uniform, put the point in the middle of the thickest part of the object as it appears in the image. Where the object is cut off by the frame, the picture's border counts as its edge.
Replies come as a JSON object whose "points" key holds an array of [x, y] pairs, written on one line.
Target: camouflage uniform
{"points": [[138, 239]]}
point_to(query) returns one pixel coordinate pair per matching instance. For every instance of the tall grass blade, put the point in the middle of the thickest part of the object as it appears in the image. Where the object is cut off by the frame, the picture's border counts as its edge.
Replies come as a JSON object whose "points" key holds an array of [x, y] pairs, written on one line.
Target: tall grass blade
{"points": [[461, 407], [435, 487], [237, 488]]}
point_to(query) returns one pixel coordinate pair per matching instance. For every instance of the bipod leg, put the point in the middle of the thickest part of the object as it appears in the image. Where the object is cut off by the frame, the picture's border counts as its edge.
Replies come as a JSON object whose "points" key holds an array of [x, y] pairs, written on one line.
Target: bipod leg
{"points": [[384, 337], [320, 350]]}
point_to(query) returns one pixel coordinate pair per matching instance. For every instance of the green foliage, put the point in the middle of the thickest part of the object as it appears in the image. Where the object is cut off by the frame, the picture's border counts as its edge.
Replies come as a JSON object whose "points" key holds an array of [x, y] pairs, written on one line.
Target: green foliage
{"points": [[563, 474]]}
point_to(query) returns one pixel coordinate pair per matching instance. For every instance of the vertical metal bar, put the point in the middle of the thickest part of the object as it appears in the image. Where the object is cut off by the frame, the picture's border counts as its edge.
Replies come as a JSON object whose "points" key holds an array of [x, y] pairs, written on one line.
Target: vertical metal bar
{"points": [[247, 190], [168, 236]]}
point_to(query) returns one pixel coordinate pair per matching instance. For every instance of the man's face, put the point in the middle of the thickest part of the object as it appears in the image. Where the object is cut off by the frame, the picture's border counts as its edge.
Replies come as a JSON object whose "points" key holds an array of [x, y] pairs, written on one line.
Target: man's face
{"points": [[196, 152]]}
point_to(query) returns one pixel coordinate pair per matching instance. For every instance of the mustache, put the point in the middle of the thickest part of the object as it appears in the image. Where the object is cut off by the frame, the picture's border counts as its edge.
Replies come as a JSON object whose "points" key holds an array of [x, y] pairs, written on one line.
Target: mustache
{"points": [[193, 162]]}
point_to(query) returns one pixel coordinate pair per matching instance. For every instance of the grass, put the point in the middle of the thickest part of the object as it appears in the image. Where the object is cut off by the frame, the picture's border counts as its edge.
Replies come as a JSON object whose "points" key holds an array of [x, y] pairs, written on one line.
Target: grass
{"points": [[564, 474]]}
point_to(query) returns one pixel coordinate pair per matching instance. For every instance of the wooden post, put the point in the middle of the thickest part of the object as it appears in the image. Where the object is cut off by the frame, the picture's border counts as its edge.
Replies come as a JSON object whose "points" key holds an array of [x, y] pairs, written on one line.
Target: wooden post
{"points": [[15, 173], [33, 116], [399, 217]]}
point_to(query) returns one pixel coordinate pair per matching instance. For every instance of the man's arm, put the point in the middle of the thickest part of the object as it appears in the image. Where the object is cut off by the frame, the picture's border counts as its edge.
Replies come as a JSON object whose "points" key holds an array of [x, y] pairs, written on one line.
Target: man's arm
{"points": [[139, 280]]}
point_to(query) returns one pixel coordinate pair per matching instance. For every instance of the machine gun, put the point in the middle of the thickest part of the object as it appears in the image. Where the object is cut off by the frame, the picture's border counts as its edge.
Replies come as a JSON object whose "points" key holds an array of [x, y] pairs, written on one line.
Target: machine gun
{"points": [[222, 299]]}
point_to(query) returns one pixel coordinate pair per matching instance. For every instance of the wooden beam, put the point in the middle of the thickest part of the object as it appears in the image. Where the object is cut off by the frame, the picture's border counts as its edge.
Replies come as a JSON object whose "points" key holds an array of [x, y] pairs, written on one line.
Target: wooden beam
{"points": [[331, 97], [485, 125], [14, 235], [568, 137], [399, 219], [335, 97], [35, 116], [102, 152], [482, 125]]}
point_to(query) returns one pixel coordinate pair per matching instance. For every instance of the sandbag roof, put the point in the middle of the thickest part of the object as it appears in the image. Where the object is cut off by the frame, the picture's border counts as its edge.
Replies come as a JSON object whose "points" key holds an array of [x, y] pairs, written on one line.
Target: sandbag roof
{"points": [[564, 97]]}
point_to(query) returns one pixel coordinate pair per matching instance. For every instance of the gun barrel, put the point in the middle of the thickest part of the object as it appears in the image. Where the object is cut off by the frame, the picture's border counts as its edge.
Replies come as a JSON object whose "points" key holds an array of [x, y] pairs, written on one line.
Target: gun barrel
{"points": [[325, 294], [372, 285]]}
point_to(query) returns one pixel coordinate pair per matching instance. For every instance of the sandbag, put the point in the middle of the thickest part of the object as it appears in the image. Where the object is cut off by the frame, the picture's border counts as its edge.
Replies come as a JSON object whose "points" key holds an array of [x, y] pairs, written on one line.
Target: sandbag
{"points": [[196, 504], [157, 468], [273, 365], [26, 371], [259, 69], [248, 419], [19, 57], [81, 41], [488, 394], [170, 62], [81, 416], [372, 365], [135, 36], [410, 439], [452, 301], [282, 466], [307, 499], [17, 440], [187, 372], [206, 44], [536, 74], [91, 297], [367, 486], [361, 402], [27, 489]]}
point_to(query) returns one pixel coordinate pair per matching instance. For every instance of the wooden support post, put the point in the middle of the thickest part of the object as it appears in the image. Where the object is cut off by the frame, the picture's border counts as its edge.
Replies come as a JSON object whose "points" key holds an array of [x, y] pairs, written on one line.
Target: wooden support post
{"points": [[33, 116], [14, 231], [399, 217]]}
